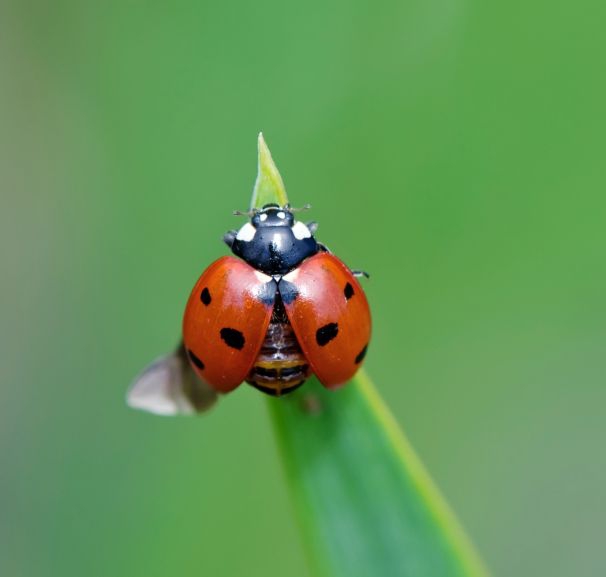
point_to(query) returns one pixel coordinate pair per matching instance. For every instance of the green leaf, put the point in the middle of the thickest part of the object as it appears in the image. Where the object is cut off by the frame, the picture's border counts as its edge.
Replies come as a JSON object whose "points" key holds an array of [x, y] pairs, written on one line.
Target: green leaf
{"points": [[365, 503]]}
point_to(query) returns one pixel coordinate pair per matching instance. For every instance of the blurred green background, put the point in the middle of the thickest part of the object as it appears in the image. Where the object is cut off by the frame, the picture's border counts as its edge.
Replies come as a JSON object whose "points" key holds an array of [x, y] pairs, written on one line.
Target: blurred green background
{"points": [[454, 149]]}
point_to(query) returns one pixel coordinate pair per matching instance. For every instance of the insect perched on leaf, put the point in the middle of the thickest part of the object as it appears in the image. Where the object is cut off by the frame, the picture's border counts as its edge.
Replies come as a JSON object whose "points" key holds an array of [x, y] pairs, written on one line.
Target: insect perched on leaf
{"points": [[282, 308]]}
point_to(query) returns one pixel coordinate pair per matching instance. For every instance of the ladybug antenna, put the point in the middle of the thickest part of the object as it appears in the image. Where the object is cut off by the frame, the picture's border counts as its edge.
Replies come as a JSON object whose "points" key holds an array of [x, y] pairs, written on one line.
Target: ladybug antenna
{"points": [[248, 213], [301, 209]]}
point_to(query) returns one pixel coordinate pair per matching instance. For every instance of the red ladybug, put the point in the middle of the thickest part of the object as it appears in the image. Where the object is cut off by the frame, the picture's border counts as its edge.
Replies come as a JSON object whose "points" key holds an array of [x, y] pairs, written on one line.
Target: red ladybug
{"points": [[281, 309]]}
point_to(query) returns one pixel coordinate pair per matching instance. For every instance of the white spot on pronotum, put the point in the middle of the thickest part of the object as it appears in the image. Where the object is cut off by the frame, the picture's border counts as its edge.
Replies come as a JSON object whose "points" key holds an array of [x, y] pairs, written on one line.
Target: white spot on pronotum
{"points": [[263, 218], [300, 231], [281, 215], [246, 233]]}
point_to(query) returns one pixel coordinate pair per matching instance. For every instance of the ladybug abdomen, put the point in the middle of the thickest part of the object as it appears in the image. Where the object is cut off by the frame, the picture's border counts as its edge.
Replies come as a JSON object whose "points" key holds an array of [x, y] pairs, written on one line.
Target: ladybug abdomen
{"points": [[281, 366]]}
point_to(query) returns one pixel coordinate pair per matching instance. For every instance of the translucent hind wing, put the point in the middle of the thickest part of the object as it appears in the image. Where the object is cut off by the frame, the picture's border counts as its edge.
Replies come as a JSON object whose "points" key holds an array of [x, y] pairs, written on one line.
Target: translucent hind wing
{"points": [[169, 386]]}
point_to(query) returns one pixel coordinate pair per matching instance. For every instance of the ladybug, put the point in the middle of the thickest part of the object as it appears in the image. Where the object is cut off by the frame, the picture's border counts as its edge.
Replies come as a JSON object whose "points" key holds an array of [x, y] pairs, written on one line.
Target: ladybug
{"points": [[282, 308]]}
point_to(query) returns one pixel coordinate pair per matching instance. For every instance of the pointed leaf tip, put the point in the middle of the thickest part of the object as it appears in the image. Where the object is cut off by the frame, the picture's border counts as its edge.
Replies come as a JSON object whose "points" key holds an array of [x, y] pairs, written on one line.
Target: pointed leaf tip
{"points": [[269, 187]]}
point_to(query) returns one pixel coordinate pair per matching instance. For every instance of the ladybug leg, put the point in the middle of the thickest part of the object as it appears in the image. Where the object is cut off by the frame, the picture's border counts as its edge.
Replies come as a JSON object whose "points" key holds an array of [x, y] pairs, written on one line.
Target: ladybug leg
{"points": [[360, 273], [229, 237], [312, 226]]}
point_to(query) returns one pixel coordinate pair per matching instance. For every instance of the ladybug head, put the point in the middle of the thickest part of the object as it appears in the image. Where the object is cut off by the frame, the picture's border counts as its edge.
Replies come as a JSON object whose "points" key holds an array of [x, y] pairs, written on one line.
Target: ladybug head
{"points": [[273, 215], [273, 241]]}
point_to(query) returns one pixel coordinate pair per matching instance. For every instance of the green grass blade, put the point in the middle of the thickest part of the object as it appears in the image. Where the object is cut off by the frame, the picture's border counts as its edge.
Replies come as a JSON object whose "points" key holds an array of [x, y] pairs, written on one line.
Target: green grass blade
{"points": [[268, 186], [366, 505]]}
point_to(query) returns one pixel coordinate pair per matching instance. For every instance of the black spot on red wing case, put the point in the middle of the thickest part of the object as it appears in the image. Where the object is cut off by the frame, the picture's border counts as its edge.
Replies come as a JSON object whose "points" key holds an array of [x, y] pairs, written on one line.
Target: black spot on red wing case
{"points": [[195, 360], [361, 355], [205, 296], [348, 291], [327, 333], [233, 338]]}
